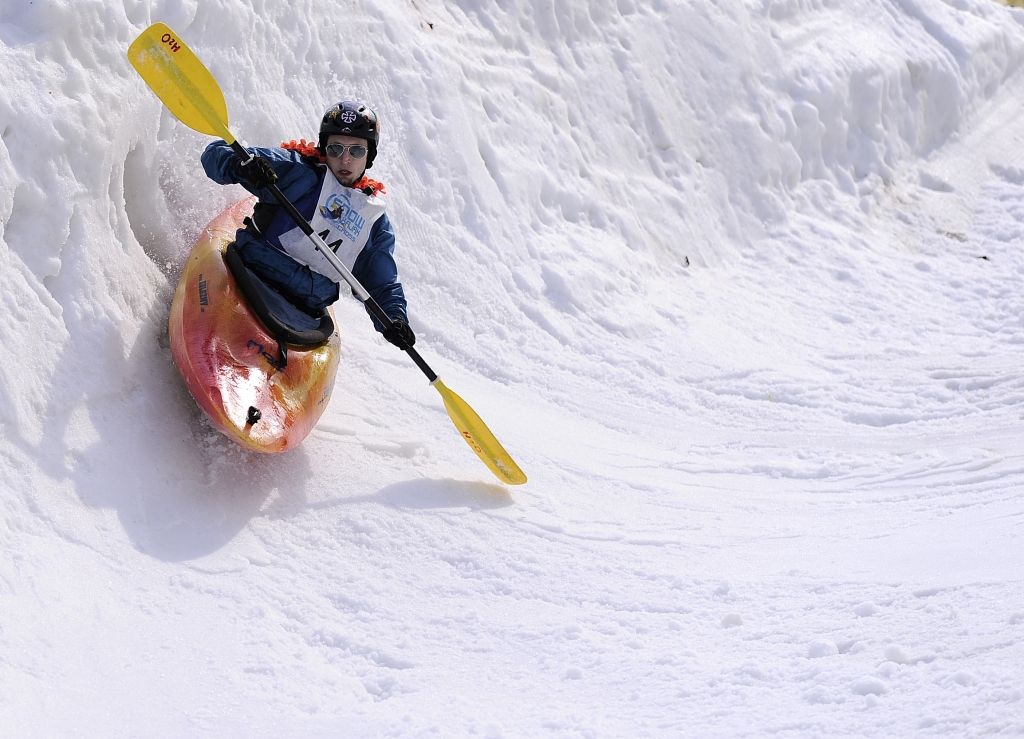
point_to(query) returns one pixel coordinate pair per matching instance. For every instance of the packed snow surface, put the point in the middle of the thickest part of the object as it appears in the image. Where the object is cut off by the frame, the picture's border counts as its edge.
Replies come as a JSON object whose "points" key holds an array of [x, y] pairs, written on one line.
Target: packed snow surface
{"points": [[737, 283]]}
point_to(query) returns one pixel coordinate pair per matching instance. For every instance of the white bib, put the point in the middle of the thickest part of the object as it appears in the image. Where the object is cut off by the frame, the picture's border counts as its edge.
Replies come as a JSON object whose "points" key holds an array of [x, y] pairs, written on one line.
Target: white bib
{"points": [[343, 219]]}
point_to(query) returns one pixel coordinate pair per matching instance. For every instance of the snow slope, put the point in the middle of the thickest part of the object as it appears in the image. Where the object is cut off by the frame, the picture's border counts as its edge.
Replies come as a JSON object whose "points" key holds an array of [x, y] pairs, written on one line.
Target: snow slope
{"points": [[735, 282]]}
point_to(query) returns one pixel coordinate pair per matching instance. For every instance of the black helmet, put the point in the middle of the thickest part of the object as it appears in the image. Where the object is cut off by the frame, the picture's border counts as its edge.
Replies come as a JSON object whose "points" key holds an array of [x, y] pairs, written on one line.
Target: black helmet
{"points": [[352, 119]]}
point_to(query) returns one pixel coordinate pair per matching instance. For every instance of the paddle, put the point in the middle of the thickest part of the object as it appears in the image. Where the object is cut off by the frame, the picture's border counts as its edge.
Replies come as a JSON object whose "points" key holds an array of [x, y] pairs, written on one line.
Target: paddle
{"points": [[191, 93]]}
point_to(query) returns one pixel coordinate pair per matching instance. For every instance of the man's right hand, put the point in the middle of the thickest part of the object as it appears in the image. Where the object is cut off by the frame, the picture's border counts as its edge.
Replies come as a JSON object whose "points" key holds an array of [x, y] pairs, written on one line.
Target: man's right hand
{"points": [[258, 172]]}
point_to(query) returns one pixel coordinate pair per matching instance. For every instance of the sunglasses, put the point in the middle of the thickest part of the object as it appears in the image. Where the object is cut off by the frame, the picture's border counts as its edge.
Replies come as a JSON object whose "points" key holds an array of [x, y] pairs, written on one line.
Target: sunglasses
{"points": [[357, 151]]}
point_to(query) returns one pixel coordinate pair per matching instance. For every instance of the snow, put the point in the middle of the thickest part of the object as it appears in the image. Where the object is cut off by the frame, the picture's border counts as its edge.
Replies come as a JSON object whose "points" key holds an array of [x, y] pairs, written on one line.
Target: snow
{"points": [[736, 283]]}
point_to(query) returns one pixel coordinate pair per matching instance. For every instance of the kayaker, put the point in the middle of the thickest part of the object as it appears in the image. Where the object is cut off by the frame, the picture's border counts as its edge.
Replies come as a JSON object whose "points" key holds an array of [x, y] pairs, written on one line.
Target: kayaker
{"points": [[329, 187]]}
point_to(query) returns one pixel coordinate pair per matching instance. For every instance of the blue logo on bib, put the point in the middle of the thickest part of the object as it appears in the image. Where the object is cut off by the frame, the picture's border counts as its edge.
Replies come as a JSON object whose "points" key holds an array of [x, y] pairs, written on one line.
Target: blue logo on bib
{"points": [[339, 208]]}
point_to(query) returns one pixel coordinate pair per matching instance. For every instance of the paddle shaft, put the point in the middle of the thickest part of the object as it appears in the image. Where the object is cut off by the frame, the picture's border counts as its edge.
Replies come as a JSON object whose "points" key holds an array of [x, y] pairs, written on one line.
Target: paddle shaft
{"points": [[371, 305]]}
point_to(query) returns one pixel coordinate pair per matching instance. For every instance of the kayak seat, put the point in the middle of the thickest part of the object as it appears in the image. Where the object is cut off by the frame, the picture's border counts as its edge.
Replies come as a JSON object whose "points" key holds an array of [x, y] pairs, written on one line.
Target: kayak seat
{"points": [[283, 320]]}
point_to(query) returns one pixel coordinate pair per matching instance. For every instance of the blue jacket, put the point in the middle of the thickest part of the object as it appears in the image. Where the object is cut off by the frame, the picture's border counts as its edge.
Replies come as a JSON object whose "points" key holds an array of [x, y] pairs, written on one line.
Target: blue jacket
{"points": [[300, 180]]}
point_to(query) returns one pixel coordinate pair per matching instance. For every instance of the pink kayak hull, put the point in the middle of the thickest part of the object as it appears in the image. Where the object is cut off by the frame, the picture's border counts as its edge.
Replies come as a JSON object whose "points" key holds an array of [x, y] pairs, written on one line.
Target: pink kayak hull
{"points": [[228, 359]]}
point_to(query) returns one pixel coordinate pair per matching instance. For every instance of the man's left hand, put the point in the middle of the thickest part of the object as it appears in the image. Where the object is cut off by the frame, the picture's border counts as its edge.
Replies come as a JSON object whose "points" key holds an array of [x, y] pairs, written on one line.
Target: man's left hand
{"points": [[400, 334]]}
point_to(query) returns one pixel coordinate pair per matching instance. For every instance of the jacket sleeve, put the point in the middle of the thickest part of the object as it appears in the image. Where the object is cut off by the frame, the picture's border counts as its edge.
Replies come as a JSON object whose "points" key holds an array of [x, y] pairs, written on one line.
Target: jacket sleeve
{"points": [[376, 270], [294, 176]]}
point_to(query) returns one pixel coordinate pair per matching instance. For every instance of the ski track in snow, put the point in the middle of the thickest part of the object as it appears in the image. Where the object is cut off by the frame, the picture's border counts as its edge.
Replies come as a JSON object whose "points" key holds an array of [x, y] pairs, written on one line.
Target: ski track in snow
{"points": [[738, 285]]}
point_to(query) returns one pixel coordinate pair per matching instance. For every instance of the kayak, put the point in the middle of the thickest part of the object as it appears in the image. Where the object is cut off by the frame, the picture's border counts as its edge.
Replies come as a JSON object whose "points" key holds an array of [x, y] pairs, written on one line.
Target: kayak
{"points": [[260, 369]]}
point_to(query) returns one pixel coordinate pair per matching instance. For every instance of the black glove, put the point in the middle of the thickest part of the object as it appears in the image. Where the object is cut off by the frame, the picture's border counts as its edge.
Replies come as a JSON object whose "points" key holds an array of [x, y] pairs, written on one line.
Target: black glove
{"points": [[400, 334], [258, 172]]}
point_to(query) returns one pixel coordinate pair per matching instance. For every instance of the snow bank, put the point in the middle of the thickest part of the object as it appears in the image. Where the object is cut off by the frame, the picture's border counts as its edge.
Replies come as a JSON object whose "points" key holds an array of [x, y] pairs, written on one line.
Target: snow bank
{"points": [[569, 160]]}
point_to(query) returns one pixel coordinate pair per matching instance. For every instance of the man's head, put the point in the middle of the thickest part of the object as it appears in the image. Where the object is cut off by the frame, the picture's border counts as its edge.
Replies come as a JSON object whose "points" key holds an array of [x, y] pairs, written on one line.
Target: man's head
{"points": [[344, 125], [346, 157]]}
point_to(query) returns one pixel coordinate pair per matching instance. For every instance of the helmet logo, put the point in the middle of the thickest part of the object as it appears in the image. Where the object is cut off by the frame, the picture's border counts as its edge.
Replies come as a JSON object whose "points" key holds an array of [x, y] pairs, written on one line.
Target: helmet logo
{"points": [[348, 116]]}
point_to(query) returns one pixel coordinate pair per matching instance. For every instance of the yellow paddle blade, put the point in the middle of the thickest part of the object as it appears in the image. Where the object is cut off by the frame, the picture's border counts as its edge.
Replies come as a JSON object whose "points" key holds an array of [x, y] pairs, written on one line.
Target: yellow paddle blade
{"points": [[180, 80], [479, 437]]}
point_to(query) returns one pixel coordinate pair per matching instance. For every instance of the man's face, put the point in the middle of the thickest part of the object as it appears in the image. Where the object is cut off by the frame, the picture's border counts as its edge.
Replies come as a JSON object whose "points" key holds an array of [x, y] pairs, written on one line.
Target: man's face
{"points": [[346, 168]]}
